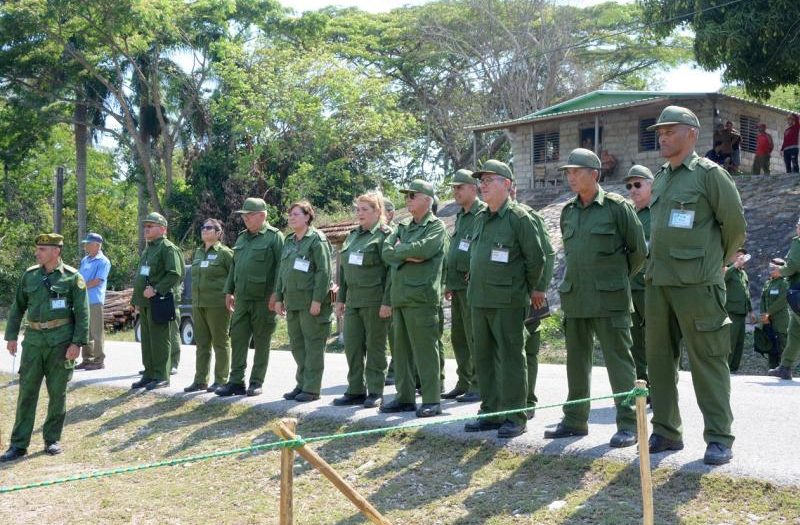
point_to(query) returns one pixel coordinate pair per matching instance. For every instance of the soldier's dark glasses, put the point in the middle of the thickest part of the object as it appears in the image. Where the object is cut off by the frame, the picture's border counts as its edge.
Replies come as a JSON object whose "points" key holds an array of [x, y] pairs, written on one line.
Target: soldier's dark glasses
{"points": [[636, 185], [410, 195]]}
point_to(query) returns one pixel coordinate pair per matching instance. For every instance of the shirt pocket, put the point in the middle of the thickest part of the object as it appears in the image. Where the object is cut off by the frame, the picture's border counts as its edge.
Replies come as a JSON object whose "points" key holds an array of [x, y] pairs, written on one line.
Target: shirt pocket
{"points": [[603, 239], [498, 287], [612, 293], [687, 264]]}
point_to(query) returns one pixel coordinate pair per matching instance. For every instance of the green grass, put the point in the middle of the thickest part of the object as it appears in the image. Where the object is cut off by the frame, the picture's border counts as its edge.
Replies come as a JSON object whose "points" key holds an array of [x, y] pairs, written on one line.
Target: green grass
{"points": [[410, 477]]}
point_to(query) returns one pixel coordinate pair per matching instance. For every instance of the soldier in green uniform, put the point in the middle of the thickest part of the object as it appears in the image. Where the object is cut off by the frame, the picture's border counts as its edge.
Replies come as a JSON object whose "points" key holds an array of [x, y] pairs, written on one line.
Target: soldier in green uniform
{"points": [[696, 226], [791, 271], [304, 285], [533, 326], [211, 265], [604, 246], [364, 299], [54, 297], [738, 305], [159, 274], [505, 266], [388, 210], [249, 295], [775, 309], [415, 254], [465, 192], [175, 342], [639, 183]]}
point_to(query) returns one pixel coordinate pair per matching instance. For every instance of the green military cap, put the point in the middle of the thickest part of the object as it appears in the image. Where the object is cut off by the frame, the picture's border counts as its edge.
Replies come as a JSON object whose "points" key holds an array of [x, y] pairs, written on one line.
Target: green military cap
{"points": [[638, 171], [464, 177], [388, 205], [672, 115], [496, 167], [252, 204], [581, 158], [156, 218], [50, 239], [419, 186]]}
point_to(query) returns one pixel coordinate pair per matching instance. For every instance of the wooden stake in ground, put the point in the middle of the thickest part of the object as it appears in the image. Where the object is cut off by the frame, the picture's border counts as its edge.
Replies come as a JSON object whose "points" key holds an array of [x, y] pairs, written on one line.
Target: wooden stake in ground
{"points": [[287, 476], [326, 470], [644, 456]]}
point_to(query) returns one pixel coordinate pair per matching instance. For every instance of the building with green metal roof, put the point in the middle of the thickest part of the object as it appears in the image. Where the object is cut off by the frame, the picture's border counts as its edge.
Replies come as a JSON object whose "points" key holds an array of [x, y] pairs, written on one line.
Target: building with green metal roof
{"points": [[616, 121]]}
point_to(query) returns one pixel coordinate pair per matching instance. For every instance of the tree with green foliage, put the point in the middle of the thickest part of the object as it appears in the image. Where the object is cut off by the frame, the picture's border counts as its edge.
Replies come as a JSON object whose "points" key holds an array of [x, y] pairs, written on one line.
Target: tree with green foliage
{"points": [[754, 41]]}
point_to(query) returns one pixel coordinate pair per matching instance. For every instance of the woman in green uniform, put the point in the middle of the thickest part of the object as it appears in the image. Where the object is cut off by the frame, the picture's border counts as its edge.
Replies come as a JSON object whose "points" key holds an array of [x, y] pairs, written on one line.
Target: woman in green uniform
{"points": [[303, 294], [210, 266], [364, 300]]}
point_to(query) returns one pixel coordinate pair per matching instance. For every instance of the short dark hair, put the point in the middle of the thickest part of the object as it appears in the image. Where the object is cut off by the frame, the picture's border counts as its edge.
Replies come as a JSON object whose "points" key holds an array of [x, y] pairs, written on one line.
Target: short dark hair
{"points": [[306, 208]]}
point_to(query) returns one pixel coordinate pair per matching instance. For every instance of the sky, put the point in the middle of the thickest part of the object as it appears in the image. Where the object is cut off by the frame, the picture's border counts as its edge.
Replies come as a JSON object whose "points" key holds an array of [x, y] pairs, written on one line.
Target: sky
{"points": [[687, 77]]}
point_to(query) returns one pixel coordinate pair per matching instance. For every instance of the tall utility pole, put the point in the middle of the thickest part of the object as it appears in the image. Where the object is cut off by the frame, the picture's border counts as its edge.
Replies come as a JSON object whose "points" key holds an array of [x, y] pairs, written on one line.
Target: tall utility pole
{"points": [[58, 199]]}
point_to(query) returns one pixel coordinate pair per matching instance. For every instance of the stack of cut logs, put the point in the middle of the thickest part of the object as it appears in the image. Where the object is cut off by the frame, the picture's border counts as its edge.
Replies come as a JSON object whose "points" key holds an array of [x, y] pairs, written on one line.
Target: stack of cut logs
{"points": [[117, 310]]}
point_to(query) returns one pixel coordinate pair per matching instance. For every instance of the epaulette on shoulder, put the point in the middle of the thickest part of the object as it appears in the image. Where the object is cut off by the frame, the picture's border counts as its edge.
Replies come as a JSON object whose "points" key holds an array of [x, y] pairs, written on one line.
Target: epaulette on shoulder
{"points": [[70, 269], [269, 227], [32, 268], [616, 197], [241, 232], [707, 163]]}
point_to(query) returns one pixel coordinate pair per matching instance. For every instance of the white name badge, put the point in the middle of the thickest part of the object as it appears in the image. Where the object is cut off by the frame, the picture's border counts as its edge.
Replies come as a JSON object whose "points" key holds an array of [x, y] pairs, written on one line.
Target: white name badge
{"points": [[681, 219], [500, 255], [356, 259], [203, 264], [463, 245], [302, 264], [212, 257], [774, 292], [56, 304], [145, 271]]}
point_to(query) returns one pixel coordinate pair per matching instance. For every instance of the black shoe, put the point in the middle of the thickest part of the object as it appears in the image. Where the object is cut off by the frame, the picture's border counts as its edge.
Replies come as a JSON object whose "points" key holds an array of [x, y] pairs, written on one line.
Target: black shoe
{"points": [[717, 454], [13, 453], [454, 393], [213, 387], [254, 390], [481, 425], [510, 430], [563, 431], [305, 397], [784, 372], [231, 389], [389, 381], [658, 444], [196, 387], [530, 413], [154, 384], [469, 397], [429, 410], [140, 372], [622, 439], [396, 406], [373, 401], [349, 400], [291, 395], [81, 366], [93, 366], [53, 448], [143, 382], [174, 371]]}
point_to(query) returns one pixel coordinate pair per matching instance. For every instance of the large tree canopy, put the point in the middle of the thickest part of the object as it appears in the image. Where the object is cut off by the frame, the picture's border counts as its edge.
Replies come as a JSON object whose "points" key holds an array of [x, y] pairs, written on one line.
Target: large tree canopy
{"points": [[756, 42]]}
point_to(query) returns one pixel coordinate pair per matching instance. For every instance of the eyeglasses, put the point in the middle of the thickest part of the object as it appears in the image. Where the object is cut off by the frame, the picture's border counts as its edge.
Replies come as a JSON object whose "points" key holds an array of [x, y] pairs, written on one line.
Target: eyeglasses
{"points": [[207, 228], [636, 185], [410, 195]]}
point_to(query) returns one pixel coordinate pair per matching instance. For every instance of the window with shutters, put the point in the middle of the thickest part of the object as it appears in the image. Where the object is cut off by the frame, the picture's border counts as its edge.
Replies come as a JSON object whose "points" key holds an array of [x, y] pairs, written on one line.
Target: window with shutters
{"points": [[748, 127], [546, 146], [647, 139]]}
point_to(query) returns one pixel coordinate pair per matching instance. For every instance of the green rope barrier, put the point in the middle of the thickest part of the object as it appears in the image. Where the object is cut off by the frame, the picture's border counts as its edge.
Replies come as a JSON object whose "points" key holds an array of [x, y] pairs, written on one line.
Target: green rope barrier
{"points": [[299, 441]]}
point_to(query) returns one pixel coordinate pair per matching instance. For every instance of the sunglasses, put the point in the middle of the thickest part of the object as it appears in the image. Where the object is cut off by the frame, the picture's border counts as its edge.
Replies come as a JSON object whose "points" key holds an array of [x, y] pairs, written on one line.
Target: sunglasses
{"points": [[410, 195], [207, 228], [636, 185]]}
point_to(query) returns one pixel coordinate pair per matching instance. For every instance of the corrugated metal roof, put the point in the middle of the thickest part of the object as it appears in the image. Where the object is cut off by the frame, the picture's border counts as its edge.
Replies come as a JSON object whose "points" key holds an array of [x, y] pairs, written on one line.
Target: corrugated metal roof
{"points": [[604, 100]]}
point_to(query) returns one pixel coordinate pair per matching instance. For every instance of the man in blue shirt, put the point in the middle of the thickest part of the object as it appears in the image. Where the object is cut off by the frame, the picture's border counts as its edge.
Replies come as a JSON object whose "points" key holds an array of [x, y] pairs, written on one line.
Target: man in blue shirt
{"points": [[94, 270]]}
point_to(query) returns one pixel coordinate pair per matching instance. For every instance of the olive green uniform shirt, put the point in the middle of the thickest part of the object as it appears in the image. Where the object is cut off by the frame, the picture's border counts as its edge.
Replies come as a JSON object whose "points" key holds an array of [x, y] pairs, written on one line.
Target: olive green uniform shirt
{"points": [[773, 303], [697, 223], [416, 284], [737, 291], [637, 281], [458, 253], [210, 270], [256, 258], [305, 271], [363, 276], [547, 247], [604, 245], [506, 258], [64, 298], [792, 269], [165, 264]]}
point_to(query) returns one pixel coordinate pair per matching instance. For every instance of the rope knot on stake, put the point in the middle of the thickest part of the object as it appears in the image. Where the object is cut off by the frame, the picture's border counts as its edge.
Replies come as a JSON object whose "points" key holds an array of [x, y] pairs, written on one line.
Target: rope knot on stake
{"points": [[630, 398], [295, 443]]}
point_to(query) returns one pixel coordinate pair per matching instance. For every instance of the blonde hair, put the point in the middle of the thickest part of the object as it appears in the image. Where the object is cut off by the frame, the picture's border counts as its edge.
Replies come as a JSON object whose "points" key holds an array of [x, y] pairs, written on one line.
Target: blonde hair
{"points": [[375, 201]]}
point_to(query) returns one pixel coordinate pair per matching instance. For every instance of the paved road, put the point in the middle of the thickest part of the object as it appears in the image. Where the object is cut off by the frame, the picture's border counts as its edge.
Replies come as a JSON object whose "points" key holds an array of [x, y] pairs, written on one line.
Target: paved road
{"points": [[766, 411]]}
